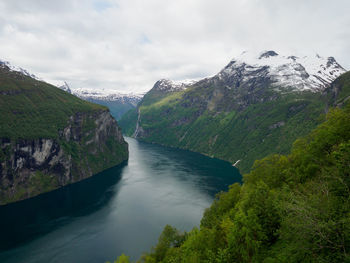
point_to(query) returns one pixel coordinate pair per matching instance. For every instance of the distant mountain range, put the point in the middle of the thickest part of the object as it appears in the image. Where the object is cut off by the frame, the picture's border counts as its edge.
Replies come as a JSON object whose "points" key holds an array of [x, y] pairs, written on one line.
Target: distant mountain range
{"points": [[118, 103], [258, 104]]}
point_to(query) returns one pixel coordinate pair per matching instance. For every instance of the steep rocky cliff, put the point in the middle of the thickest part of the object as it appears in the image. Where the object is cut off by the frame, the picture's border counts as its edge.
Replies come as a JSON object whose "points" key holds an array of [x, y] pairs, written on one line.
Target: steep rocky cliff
{"points": [[49, 138]]}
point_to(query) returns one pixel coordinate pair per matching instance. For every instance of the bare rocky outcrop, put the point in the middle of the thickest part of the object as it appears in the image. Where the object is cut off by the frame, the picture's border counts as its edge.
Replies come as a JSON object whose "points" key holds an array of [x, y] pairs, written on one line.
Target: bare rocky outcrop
{"points": [[90, 143]]}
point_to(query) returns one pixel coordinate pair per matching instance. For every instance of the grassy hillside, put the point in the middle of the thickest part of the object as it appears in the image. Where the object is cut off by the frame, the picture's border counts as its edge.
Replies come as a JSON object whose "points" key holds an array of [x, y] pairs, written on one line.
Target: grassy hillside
{"points": [[34, 109], [50, 138], [235, 135], [291, 208], [244, 123], [229, 134]]}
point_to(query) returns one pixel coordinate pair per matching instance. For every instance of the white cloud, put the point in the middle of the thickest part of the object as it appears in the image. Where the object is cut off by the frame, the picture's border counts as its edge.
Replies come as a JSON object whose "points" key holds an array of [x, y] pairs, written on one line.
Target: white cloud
{"points": [[127, 45]]}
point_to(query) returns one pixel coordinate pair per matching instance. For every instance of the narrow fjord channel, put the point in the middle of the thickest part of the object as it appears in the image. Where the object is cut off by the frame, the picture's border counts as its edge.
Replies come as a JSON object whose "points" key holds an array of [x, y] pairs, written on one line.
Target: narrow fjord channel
{"points": [[122, 210]]}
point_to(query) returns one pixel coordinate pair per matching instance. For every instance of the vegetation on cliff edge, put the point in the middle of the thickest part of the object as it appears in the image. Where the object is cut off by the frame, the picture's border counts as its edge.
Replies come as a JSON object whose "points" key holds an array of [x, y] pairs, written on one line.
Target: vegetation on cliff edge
{"points": [[291, 208], [32, 110]]}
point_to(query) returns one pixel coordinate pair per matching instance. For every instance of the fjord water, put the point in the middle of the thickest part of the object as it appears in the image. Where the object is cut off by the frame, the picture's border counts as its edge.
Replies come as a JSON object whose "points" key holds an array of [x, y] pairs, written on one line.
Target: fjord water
{"points": [[121, 210]]}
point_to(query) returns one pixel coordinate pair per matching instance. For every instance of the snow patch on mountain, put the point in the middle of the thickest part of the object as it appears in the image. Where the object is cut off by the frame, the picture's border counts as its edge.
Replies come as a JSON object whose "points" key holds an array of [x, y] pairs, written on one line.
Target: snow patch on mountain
{"points": [[105, 94], [171, 85], [9, 66], [299, 73]]}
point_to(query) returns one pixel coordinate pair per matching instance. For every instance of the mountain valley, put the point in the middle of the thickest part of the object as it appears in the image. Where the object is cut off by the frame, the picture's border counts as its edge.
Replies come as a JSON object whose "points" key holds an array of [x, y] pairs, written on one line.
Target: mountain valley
{"points": [[118, 103]]}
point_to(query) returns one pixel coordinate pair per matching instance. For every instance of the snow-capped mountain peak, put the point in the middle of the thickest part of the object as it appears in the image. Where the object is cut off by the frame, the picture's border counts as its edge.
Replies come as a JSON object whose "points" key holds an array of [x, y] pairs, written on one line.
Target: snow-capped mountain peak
{"points": [[313, 73], [171, 85], [9, 66]]}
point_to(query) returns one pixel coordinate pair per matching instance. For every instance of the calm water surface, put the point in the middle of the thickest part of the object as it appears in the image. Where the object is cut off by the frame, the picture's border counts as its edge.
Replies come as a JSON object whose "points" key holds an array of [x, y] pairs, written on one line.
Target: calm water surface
{"points": [[123, 209]]}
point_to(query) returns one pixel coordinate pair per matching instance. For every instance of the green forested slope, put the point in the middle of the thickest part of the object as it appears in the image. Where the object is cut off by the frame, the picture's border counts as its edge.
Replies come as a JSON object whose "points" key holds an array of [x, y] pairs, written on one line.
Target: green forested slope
{"points": [[244, 123], [341, 90], [49, 138], [35, 109], [291, 208], [117, 108], [128, 122]]}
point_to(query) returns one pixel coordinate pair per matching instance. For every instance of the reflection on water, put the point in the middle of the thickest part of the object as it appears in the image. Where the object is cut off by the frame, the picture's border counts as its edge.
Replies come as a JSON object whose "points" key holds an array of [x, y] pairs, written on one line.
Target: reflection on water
{"points": [[54, 209], [123, 209]]}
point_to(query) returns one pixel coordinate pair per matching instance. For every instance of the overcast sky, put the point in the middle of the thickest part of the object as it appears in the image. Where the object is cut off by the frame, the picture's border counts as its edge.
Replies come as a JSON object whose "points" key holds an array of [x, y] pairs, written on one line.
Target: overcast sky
{"points": [[127, 45]]}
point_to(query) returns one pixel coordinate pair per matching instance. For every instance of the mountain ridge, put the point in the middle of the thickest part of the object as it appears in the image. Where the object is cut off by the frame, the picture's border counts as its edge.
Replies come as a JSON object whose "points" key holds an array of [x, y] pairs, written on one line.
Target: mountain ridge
{"points": [[10, 67], [301, 73], [319, 70], [117, 102], [241, 106]]}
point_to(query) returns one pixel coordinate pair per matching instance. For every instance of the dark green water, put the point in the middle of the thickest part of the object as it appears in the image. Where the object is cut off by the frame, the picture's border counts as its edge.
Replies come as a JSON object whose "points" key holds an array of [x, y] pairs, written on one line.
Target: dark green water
{"points": [[123, 209]]}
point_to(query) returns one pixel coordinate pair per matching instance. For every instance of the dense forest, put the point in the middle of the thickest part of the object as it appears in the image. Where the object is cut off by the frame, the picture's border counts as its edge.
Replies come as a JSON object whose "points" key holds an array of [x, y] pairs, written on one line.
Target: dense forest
{"points": [[291, 208]]}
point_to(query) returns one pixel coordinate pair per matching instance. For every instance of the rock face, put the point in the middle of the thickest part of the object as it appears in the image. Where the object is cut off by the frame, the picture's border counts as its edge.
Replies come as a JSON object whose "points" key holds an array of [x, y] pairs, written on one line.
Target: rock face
{"points": [[89, 144], [50, 138]]}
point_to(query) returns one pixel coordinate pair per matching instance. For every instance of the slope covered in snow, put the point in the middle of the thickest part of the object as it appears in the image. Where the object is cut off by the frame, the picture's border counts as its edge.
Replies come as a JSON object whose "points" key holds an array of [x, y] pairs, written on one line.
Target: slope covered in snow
{"points": [[168, 85], [118, 103], [104, 94], [299, 73]]}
